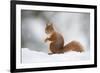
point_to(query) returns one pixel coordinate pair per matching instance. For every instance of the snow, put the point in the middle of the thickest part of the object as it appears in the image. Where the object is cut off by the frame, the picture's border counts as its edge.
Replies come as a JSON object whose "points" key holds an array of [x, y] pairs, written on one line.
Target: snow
{"points": [[29, 56]]}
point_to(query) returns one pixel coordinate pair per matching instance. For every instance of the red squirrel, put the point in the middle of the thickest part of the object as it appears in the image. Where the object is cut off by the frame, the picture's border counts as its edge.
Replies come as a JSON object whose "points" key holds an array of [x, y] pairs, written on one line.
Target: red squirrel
{"points": [[57, 42]]}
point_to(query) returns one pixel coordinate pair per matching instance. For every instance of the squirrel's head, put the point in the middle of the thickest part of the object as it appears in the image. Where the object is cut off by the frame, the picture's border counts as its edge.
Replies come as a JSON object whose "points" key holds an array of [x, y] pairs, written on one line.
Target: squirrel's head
{"points": [[49, 28]]}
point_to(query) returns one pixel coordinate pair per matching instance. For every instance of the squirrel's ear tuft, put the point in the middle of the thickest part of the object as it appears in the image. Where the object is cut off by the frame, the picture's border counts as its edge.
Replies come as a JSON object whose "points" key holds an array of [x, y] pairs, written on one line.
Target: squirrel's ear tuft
{"points": [[47, 24], [51, 24]]}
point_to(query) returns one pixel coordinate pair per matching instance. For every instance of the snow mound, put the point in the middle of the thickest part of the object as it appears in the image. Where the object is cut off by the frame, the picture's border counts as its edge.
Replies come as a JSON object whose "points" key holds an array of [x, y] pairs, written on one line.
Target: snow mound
{"points": [[29, 56]]}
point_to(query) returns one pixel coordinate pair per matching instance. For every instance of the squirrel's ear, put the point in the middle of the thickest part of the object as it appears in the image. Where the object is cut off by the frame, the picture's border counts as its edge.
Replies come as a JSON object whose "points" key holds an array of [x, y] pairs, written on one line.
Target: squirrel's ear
{"points": [[46, 24], [51, 24]]}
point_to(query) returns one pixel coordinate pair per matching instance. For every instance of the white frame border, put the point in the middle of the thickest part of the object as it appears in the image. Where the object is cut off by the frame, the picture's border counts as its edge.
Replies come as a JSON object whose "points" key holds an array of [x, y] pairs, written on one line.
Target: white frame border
{"points": [[50, 8]]}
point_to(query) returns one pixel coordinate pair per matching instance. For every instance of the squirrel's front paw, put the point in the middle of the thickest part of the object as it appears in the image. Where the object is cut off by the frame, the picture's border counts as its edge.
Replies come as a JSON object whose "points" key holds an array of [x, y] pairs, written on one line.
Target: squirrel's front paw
{"points": [[46, 39]]}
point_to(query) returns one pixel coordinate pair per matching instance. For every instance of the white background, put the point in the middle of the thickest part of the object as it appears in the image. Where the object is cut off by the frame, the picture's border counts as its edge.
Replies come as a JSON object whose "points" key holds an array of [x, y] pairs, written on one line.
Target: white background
{"points": [[5, 36]]}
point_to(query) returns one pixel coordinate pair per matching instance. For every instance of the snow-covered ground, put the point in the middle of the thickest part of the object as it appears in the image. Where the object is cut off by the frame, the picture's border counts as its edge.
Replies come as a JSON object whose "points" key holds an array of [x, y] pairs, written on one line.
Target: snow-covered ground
{"points": [[29, 56]]}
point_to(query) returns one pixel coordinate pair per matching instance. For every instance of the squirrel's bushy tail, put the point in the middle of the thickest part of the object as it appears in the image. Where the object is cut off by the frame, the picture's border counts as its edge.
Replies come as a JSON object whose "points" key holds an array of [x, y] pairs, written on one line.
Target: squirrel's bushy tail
{"points": [[73, 46]]}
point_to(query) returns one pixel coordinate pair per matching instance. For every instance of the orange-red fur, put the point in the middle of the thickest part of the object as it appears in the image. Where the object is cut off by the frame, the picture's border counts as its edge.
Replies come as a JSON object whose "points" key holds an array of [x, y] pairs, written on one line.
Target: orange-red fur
{"points": [[57, 42]]}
